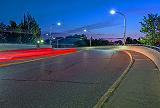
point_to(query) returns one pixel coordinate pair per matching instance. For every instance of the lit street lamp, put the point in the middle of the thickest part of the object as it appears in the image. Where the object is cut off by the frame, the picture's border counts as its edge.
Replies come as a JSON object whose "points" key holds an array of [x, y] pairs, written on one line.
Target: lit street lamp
{"points": [[114, 12], [58, 24], [85, 30], [90, 40], [39, 42], [42, 41]]}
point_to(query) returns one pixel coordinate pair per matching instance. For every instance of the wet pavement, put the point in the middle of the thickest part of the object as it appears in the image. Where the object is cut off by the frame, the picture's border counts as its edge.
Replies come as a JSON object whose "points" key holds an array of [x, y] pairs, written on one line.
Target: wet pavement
{"points": [[68, 81]]}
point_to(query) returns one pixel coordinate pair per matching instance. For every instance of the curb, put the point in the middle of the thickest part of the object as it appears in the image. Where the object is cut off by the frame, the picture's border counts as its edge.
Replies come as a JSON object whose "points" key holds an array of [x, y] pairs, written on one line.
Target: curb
{"points": [[112, 89]]}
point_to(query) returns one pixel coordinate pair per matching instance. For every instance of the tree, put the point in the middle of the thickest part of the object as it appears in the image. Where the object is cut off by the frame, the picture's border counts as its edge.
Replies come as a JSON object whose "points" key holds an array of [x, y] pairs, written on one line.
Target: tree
{"points": [[119, 42], [13, 25], [99, 42], [28, 31], [31, 28], [2, 26], [151, 28], [129, 40], [2, 36]]}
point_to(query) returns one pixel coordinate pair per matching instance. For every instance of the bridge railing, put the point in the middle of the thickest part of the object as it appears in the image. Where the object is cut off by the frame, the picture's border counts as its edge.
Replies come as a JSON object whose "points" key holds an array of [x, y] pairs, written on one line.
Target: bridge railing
{"points": [[148, 46]]}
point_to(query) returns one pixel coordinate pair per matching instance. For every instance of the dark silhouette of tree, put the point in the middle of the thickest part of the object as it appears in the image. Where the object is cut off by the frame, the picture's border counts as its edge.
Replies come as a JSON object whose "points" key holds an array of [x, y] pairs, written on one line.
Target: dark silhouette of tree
{"points": [[128, 40], [28, 31], [99, 42], [13, 25], [119, 42], [2, 36], [135, 41], [30, 26], [2, 27]]}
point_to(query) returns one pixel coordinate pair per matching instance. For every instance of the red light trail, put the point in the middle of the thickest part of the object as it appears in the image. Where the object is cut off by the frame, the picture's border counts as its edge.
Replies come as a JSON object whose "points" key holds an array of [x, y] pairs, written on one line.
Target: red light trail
{"points": [[14, 55]]}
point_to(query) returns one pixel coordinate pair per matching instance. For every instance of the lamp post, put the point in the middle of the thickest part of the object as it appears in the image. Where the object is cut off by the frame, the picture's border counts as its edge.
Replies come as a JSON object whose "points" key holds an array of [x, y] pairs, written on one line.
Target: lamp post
{"points": [[58, 41], [90, 40], [39, 41], [58, 24], [37, 44], [125, 20]]}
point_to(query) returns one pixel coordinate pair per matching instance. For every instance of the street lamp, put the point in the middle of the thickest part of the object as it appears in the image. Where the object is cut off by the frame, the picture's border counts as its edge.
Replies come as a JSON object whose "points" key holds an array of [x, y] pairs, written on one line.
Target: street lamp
{"points": [[58, 41], [38, 42], [58, 24], [114, 12], [90, 40], [42, 41], [85, 30]]}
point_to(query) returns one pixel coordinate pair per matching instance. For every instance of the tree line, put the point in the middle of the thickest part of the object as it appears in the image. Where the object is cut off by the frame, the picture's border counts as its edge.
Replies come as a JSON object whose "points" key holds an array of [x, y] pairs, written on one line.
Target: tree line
{"points": [[27, 31]]}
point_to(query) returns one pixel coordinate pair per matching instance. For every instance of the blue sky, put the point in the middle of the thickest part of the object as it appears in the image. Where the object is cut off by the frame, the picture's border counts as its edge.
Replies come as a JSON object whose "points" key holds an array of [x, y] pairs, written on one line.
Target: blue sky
{"points": [[74, 14]]}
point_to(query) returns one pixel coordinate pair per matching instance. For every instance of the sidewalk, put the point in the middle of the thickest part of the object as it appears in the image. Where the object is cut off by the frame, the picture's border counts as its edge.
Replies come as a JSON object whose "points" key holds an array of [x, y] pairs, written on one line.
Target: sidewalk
{"points": [[140, 88]]}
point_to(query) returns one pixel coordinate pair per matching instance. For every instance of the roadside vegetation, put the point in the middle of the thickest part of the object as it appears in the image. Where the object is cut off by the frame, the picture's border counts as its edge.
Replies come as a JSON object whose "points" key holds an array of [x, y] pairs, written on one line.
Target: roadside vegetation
{"points": [[27, 31], [151, 29]]}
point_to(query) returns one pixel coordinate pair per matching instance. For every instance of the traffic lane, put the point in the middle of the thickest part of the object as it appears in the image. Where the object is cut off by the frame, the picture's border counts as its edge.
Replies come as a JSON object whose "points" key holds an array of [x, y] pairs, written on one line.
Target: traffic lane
{"points": [[61, 68], [78, 84], [56, 65]]}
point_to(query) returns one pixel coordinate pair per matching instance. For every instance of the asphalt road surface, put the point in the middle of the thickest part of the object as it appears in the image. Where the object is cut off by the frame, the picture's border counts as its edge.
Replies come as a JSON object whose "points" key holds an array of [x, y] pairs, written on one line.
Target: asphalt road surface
{"points": [[69, 81]]}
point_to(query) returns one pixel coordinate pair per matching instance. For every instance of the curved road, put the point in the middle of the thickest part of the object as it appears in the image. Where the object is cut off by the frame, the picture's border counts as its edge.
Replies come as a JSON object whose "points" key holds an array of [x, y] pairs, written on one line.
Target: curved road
{"points": [[70, 81]]}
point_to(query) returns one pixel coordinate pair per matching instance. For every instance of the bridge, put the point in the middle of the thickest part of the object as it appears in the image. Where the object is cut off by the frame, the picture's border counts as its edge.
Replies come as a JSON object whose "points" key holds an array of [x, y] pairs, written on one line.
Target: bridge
{"points": [[92, 77]]}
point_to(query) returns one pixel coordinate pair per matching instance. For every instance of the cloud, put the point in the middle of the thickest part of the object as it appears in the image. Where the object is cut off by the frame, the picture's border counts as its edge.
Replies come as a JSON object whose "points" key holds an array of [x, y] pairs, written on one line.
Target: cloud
{"points": [[109, 23]]}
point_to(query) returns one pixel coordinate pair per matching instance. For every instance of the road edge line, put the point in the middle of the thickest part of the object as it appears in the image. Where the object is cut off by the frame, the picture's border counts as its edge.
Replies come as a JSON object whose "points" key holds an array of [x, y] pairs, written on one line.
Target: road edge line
{"points": [[115, 85]]}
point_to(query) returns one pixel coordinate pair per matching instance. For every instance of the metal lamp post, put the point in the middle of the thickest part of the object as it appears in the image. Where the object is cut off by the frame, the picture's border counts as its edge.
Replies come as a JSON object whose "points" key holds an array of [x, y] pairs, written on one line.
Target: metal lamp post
{"points": [[125, 25], [58, 42], [39, 41], [58, 24], [90, 40]]}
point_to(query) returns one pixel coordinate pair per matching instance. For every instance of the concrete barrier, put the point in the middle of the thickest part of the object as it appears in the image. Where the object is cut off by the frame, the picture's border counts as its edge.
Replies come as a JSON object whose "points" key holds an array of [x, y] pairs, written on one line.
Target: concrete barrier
{"points": [[6, 46], [150, 53]]}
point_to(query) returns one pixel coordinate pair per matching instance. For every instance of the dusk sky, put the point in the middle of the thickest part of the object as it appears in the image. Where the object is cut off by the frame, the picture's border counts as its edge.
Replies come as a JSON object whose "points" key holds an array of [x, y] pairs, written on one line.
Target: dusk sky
{"points": [[74, 14]]}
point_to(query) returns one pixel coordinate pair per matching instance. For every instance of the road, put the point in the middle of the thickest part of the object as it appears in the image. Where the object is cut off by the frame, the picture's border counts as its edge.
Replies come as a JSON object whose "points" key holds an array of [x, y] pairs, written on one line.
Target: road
{"points": [[69, 81], [140, 88]]}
